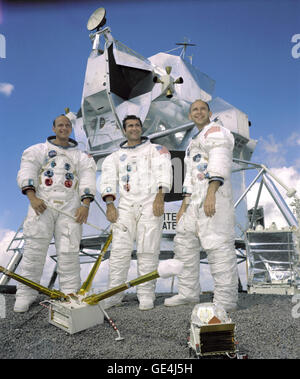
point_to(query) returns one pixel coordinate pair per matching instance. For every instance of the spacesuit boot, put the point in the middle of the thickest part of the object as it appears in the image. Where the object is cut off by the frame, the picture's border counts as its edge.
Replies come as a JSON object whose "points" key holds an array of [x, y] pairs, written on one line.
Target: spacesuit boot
{"points": [[23, 303], [179, 300], [146, 304]]}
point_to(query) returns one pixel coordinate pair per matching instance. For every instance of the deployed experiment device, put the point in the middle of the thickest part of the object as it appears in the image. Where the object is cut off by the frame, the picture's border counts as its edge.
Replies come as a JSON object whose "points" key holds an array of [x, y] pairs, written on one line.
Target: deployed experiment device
{"points": [[76, 312], [212, 333]]}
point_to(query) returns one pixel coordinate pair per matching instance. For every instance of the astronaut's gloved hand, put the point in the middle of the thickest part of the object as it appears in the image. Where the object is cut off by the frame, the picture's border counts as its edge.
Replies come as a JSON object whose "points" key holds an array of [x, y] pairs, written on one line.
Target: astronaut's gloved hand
{"points": [[111, 213], [36, 203]]}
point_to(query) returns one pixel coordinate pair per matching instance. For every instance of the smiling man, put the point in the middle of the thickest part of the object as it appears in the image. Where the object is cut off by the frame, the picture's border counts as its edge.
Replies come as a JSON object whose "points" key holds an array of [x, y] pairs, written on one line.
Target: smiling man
{"points": [[142, 172], [206, 216], [59, 174]]}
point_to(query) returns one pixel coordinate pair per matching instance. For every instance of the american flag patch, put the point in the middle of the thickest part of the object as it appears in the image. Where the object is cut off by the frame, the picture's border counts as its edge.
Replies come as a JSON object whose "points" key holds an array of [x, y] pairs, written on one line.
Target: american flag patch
{"points": [[213, 129], [162, 149]]}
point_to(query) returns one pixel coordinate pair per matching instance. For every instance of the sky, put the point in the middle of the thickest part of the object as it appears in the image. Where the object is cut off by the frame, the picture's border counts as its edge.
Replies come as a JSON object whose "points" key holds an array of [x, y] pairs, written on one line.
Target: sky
{"points": [[244, 45]]}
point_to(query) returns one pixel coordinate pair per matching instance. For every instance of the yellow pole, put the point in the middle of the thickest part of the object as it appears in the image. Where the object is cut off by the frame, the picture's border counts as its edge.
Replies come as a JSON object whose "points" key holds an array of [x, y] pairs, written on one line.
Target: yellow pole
{"points": [[94, 299], [86, 286], [54, 294]]}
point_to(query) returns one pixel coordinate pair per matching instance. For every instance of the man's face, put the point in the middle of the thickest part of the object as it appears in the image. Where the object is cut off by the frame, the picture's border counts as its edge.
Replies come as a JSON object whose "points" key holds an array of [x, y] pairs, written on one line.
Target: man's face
{"points": [[133, 130], [62, 127], [199, 113]]}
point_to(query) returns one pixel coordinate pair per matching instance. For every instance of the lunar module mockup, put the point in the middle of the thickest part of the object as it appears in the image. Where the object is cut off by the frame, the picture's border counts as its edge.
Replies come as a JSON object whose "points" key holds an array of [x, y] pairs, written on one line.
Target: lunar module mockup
{"points": [[159, 89]]}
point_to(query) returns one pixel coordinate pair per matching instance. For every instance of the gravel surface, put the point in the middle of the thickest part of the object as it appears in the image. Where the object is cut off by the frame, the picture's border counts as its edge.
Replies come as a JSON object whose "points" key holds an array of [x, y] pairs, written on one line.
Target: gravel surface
{"points": [[265, 329]]}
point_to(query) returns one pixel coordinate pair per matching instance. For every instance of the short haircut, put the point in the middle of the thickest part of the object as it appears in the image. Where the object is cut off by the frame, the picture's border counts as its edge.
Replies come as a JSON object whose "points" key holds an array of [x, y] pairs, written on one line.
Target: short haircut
{"points": [[201, 102], [60, 116], [131, 117]]}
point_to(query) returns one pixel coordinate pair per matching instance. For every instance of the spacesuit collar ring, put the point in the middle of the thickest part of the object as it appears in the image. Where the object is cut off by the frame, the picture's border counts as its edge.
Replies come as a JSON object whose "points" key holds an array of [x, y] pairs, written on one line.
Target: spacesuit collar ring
{"points": [[144, 140], [72, 142]]}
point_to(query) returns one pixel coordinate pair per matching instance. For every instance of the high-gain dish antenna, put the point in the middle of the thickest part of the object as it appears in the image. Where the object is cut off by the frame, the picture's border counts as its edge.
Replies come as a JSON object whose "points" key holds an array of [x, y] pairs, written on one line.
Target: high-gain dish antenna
{"points": [[97, 19]]}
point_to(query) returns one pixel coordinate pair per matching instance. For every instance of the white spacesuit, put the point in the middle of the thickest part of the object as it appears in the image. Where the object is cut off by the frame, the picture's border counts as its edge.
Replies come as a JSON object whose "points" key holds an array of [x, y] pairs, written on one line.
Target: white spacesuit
{"points": [[138, 172], [62, 177], [208, 158]]}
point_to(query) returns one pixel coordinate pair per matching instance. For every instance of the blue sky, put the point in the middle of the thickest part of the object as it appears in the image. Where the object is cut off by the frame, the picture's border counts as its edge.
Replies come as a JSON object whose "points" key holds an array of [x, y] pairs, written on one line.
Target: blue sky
{"points": [[245, 46]]}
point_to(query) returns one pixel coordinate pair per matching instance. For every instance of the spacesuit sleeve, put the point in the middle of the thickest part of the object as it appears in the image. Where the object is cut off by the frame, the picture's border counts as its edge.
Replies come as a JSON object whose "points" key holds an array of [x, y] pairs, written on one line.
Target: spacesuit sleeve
{"points": [[187, 187], [162, 168], [109, 177], [219, 144], [87, 177], [27, 177]]}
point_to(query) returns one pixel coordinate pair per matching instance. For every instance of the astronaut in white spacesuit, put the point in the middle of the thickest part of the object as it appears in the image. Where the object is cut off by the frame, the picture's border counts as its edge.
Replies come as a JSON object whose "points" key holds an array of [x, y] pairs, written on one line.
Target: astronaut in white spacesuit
{"points": [[143, 173], [59, 174], [206, 216]]}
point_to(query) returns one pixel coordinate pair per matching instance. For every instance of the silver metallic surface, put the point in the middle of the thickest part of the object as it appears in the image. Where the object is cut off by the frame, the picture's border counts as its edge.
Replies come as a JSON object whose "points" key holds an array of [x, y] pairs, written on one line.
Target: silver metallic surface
{"points": [[13, 264], [97, 19], [120, 81], [272, 258]]}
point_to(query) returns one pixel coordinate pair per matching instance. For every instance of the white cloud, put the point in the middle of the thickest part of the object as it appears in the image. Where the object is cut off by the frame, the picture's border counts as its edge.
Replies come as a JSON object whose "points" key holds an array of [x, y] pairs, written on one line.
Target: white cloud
{"points": [[278, 154], [6, 89], [269, 144], [269, 152], [293, 139], [5, 238]]}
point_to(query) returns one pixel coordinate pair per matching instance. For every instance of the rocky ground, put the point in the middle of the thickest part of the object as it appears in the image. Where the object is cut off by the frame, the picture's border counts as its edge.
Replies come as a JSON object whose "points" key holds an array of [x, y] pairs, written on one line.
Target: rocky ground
{"points": [[267, 327]]}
